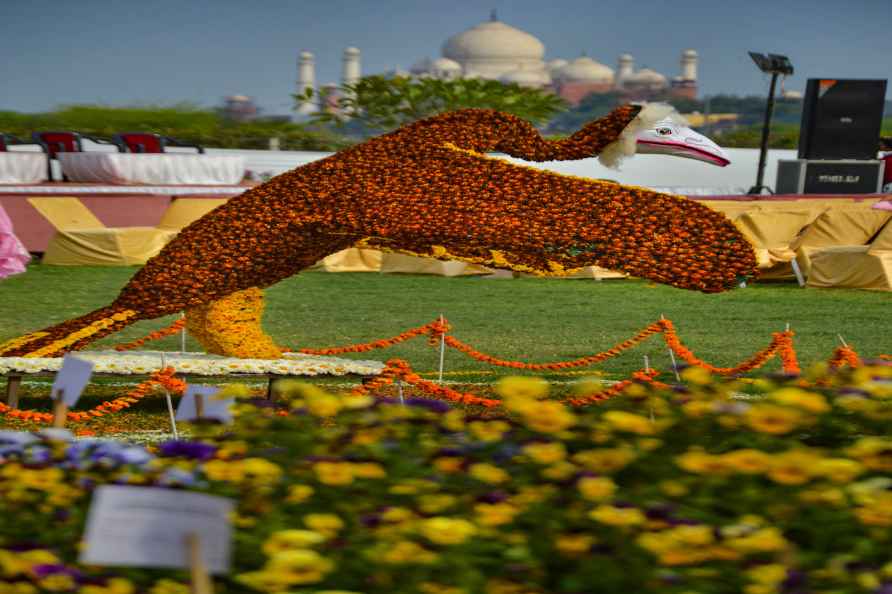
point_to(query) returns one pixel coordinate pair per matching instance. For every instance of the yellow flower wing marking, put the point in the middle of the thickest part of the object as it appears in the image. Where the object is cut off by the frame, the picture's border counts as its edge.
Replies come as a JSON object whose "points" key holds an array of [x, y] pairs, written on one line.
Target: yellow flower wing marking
{"points": [[21, 340], [84, 332]]}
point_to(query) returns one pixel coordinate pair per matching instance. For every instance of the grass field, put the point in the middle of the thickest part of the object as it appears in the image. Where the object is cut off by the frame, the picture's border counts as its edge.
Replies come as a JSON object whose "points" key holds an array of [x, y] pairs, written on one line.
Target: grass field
{"points": [[527, 318], [530, 319]]}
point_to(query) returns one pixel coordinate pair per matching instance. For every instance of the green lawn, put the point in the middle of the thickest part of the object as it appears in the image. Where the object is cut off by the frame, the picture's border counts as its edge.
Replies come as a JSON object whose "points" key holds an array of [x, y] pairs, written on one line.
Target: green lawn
{"points": [[525, 318]]}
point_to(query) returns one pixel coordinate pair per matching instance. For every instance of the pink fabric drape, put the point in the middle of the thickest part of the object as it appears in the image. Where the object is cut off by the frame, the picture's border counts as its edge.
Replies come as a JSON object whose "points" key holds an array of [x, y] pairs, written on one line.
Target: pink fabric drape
{"points": [[13, 255]]}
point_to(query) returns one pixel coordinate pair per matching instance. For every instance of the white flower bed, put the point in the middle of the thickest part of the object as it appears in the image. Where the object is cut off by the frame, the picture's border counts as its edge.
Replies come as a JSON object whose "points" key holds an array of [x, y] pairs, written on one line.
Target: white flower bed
{"points": [[144, 362]]}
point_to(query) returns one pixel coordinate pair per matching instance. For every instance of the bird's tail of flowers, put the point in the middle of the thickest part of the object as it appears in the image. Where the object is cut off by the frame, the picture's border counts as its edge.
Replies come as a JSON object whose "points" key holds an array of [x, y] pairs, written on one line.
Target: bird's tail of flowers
{"points": [[70, 335]]}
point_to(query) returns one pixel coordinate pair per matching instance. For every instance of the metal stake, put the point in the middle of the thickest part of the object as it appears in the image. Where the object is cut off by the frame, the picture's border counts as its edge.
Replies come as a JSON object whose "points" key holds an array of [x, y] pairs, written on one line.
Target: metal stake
{"points": [[442, 350], [170, 411]]}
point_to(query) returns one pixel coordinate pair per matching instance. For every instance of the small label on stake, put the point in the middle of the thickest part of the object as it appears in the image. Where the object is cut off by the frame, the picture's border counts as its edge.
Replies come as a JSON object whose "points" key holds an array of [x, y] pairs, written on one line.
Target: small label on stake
{"points": [[151, 527], [71, 379], [201, 402]]}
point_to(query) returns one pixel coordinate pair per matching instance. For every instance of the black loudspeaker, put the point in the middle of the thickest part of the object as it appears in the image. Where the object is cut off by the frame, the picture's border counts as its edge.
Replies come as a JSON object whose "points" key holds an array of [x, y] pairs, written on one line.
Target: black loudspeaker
{"points": [[828, 177], [841, 119]]}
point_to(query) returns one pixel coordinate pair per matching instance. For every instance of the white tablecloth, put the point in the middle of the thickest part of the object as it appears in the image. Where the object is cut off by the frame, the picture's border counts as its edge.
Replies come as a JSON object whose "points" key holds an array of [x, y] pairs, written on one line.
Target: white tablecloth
{"points": [[154, 168], [22, 168]]}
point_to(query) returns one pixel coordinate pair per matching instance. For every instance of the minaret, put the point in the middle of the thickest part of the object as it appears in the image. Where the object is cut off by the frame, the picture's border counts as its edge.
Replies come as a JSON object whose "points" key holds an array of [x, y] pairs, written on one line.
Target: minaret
{"points": [[689, 65], [624, 70], [306, 79], [350, 73]]}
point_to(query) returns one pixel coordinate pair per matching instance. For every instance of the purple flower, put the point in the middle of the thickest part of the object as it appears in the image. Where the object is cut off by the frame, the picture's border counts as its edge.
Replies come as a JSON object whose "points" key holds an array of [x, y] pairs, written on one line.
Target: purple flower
{"points": [[181, 448], [42, 571], [433, 405]]}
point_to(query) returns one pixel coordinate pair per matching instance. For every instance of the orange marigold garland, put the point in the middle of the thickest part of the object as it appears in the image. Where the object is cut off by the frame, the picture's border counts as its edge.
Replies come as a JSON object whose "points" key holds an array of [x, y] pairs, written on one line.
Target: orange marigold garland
{"points": [[163, 377], [842, 356], [434, 330], [781, 344], [428, 188], [173, 328]]}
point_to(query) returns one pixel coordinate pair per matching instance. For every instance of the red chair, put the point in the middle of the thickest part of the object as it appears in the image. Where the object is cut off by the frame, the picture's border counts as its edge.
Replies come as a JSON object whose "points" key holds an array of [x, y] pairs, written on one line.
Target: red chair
{"points": [[144, 142], [54, 143]]}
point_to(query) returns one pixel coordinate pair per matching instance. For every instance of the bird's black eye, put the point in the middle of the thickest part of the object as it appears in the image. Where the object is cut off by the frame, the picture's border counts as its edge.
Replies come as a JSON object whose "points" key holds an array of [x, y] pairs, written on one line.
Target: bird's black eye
{"points": [[664, 131]]}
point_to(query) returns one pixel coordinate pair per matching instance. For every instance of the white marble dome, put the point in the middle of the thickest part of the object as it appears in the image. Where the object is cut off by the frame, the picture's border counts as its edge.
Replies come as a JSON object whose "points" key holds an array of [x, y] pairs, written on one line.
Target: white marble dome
{"points": [[527, 78], [493, 40], [646, 76], [585, 69], [556, 64]]}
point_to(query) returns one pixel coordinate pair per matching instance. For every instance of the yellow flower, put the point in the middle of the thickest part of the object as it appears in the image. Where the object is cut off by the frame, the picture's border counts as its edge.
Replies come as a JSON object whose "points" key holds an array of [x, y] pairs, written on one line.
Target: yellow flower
{"points": [[300, 566], [488, 430], [797, 398], [604, 460], [769, 418], [521, 388], [321, 404], [230, 471], [299, 493], [618, 516], [546, 453], [574, 545], [488, 473], [793, 467], [291, 539], [258, 470], [874, 452], [596, 488], [406, 551], [448, 464], [168, 586], [697, 408], [629, 422], [326, 524], [334, 473], [368, 470], [770, 574], [57, 582], [454, 420], [559, 471], [839, 470], [548, 417], [447, 531], [747, 461], [696, 375], [673, 488], [762, 540], [699, 462], [495, 514], [828, 496], [435, 503]]}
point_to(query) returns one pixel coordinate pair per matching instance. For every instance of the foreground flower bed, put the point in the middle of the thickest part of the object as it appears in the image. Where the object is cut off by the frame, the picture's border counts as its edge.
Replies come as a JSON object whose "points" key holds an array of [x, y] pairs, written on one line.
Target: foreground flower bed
{"points": [[758, 486]]}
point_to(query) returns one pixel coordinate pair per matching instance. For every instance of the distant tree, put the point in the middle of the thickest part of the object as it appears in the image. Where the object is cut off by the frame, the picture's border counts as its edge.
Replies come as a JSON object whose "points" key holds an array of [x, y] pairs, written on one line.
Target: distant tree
{"points": [[591, 108], [184, 122], [380, 103]]}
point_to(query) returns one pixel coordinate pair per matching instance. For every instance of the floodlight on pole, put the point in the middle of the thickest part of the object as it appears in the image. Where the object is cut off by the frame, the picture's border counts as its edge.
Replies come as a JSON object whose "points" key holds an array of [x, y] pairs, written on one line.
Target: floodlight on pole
{"points": [[775, 65]]}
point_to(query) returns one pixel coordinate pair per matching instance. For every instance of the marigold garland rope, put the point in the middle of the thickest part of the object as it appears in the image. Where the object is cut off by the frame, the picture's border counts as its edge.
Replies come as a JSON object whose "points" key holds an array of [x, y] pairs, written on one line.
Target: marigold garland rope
{"points": [[781, 345], [163, 377], [173, 328]]}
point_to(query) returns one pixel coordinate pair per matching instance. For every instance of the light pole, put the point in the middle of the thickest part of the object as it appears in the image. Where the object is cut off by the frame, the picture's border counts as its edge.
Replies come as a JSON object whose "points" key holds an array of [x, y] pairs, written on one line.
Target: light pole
{"points": [[775, 65]]}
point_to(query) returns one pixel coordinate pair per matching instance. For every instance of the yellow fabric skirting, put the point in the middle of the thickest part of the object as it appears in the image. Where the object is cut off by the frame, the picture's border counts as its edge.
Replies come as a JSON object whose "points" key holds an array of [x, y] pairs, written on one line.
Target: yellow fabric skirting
{"points": [[183, 211], [851, 267], [403, 263], [352, 260], [122, 246]]}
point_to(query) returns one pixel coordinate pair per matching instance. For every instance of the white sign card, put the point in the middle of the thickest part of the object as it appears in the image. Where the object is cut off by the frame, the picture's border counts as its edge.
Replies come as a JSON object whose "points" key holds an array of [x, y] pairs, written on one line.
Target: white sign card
{"points": [[150, 527], [211, 407], [71, 379]]}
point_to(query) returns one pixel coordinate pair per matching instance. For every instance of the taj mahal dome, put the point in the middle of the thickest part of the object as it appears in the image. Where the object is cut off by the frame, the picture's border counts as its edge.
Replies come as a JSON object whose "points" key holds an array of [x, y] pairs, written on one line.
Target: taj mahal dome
{"points": [[495, 50]]}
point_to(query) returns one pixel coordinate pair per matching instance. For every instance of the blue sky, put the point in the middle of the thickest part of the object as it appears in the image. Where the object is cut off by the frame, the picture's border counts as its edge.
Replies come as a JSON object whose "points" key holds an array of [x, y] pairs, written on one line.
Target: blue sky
{"points": [[124, 52]]}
